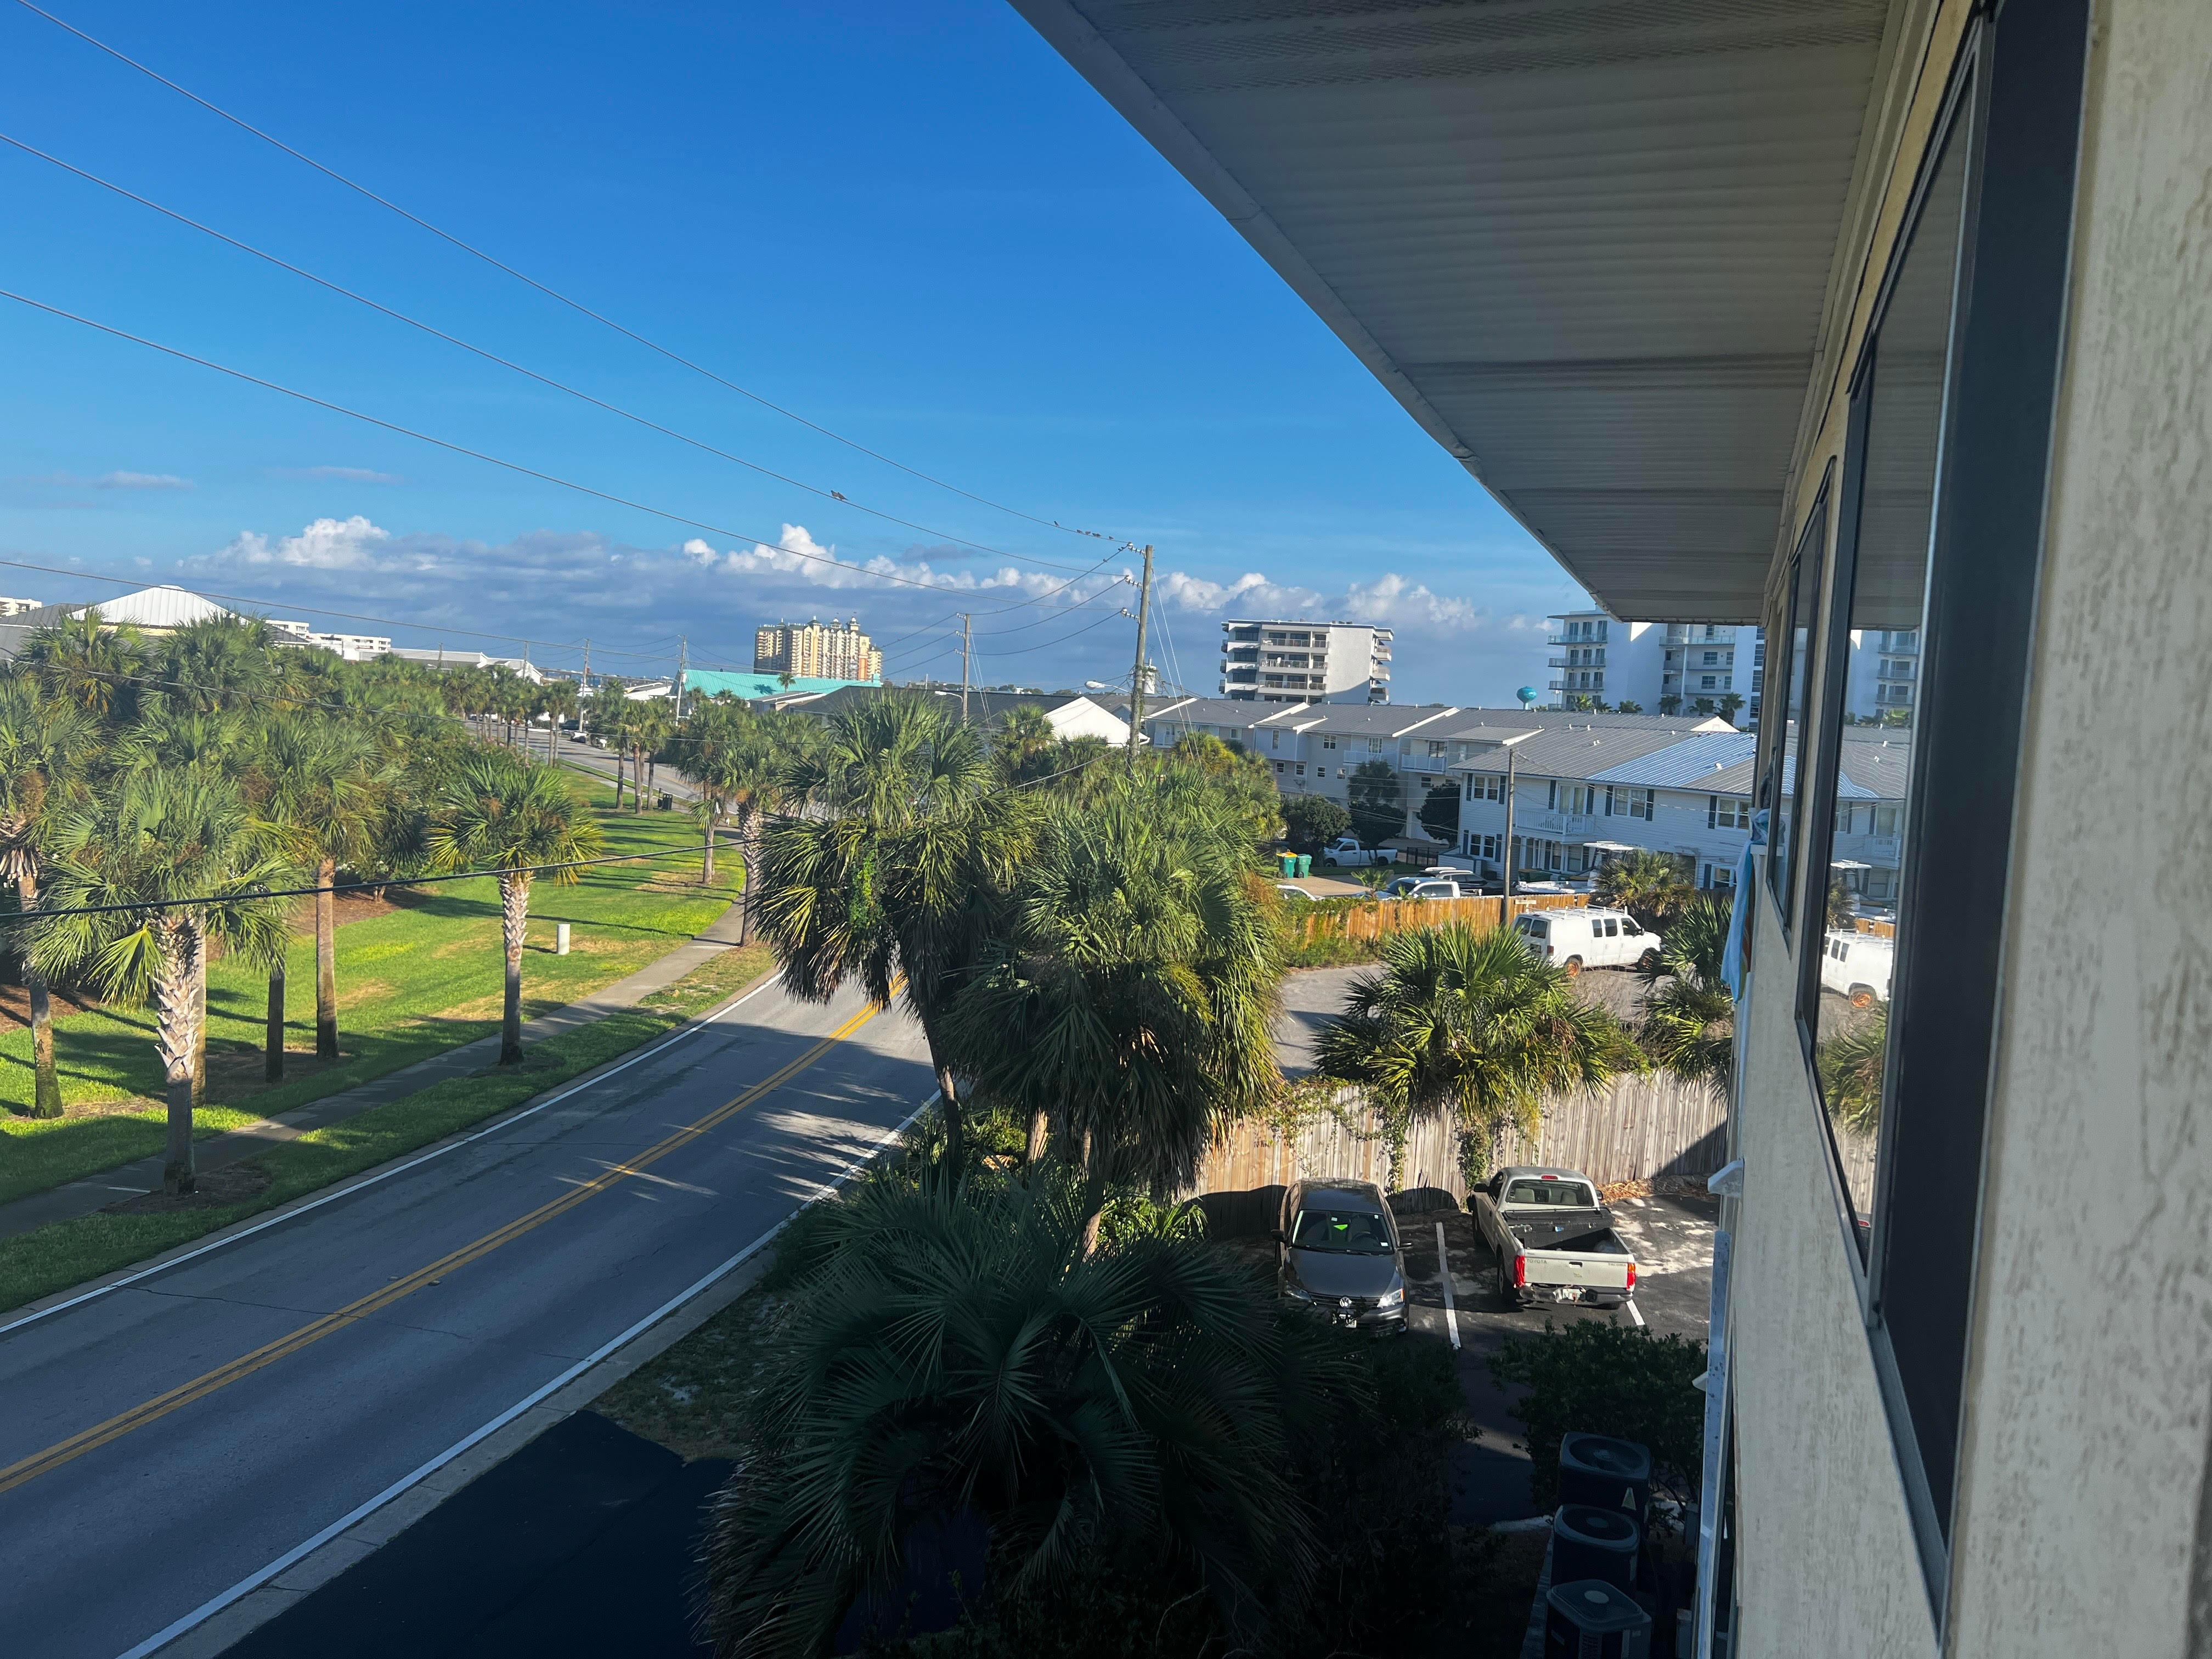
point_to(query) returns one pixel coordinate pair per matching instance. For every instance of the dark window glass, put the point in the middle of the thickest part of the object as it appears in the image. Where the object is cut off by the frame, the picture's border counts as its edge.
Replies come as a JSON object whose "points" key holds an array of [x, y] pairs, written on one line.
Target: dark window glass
{"points": [[1868, 758]]}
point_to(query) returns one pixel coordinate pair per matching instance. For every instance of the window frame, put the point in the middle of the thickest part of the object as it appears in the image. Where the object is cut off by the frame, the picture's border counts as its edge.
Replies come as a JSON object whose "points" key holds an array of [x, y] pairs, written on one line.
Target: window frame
{"points": [[2016, 94], [1816, 538]]}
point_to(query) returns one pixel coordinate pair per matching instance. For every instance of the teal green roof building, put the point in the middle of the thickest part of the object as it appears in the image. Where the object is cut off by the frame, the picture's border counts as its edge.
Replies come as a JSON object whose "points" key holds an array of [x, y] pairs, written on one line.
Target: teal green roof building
{"points": [[713, 681]]}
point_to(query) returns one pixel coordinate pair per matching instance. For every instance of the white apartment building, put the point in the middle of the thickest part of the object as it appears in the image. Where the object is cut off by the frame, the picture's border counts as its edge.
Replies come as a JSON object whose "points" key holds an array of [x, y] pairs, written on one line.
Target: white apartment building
{"points": [[1596, 655], [17, 607], [1304, 661], [354, 647]]}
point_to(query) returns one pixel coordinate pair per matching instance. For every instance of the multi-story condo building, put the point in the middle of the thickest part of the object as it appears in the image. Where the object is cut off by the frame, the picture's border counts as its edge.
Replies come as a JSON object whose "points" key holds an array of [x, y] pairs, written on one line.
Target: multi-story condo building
{"points": [[17, 607], [1596, 655], [818, 650], [354, 647], [1304, 661]]}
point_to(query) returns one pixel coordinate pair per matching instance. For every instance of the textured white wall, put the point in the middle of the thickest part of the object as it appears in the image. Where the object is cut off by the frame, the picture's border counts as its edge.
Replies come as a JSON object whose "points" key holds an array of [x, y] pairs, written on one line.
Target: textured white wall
{"points": [[2086, 1464]]}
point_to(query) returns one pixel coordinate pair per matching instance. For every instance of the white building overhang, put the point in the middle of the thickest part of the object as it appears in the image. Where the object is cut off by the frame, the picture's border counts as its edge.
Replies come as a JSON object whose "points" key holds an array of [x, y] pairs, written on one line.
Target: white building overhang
{"points": [[1586, 243]]}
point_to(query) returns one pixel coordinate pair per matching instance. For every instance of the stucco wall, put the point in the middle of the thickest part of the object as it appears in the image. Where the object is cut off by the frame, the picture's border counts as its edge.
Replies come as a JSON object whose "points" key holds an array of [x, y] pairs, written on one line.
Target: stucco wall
{"points": [[1826, 1567], [2086, 1442]]}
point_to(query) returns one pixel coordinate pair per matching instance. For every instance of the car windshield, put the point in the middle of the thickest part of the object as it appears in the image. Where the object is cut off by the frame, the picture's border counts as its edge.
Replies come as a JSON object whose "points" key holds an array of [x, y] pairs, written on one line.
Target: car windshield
{"points": [[1349, 1233], [1572, 1194]]}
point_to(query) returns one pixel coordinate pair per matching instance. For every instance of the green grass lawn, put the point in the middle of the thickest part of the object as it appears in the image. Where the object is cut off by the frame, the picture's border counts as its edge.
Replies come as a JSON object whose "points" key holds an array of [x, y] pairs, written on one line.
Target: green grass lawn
{"points": [[53, 1258], [412, 982]]}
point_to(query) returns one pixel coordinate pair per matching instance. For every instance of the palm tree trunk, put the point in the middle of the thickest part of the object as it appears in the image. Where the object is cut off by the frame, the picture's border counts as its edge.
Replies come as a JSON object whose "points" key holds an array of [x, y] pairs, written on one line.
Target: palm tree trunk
{"points": [[273, 1061], [1040, 1138], [45, 1085], [707, 874], [637, 780], [748, 840], [948, 1098], [173, 1038], [618, 780], [1094, 1191], [199, 1027], [515, 920], [326, 960]]}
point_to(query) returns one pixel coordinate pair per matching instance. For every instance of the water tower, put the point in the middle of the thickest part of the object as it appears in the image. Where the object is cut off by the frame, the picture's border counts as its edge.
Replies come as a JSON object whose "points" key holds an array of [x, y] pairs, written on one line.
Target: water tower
{"points": [[1527, 695]]}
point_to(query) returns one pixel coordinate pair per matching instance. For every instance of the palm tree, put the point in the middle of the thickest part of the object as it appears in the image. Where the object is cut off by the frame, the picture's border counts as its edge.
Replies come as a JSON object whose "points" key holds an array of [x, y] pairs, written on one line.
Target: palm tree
{"points": [[1648, 886], [1850, 1064], [955, 1356], [731, 756], [1468, 1026], [179, 852], [650, 730], [216, 664], [497, 812], [558, 699], [1689, 1018], [83, 661], [46, 749], [611, 712], [326, 794], [1023, 743], [890, 885], [1131, 993]]}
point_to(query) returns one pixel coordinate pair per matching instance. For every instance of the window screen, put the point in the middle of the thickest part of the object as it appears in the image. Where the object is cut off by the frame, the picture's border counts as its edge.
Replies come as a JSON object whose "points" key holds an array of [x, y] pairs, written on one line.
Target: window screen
{"points": [[1786, 775]]}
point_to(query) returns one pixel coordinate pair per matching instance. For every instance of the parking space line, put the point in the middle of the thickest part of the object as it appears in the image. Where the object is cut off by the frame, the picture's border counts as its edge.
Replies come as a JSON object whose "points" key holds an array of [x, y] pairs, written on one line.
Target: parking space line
{"points": [[1634, 1312], [1443, 1268]]}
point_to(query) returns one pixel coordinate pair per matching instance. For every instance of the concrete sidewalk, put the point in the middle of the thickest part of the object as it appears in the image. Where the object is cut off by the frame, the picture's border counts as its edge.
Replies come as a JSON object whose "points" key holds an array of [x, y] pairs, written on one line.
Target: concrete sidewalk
{"points": [[96, 1192]]}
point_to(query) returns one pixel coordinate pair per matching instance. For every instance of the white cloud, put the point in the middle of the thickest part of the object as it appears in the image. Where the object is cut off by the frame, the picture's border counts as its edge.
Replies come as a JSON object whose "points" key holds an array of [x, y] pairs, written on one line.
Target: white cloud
{"points": [[326, 544], [340, 474], [111, 481]]}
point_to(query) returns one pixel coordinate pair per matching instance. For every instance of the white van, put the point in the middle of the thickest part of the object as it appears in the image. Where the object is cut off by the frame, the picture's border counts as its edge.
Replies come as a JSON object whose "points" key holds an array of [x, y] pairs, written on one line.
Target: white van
{"points": [[1577, 939], [1857, 966]]}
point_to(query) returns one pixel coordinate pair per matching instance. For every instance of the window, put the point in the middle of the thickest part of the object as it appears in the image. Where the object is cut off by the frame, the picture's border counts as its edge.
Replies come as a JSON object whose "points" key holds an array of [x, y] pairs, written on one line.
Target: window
{"points": [[1787, 779], [1328, 743], [1623, 802], [1302, 768], [1706, 682], [1711, 658], [1939, 537], [1580, 797], [1727, 812], [1374, 745], [1278, 769], [1436, 750]]}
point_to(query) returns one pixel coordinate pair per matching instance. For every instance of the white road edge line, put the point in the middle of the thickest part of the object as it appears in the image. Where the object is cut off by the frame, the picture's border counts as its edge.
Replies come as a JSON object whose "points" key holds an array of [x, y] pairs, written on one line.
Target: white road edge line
{"points": [[283, 1216], [299, 1552], [1634, 1312], [1443, 1268]]}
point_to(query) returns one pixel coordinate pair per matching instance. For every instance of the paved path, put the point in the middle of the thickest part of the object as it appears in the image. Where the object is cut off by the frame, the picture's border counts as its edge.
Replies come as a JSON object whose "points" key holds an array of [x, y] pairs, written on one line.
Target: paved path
{"points": [[95, 1192], [168, 1440]]}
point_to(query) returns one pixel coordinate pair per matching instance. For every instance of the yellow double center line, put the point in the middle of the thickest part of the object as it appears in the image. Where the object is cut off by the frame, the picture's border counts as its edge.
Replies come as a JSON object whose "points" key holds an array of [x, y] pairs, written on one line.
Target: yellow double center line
{"points": [[64, 1451]]}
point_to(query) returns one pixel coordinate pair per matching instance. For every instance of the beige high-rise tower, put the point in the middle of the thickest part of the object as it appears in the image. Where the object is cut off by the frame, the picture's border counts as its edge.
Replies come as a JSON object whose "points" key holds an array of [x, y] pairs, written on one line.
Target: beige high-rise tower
{"points": [[818, 650]]}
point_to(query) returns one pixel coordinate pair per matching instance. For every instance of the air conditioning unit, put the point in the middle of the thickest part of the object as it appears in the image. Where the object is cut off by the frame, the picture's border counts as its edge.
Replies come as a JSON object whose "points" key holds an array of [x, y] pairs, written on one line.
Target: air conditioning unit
{"points": [[1588, 1542], [1592, 1619], [1604, 1473]]}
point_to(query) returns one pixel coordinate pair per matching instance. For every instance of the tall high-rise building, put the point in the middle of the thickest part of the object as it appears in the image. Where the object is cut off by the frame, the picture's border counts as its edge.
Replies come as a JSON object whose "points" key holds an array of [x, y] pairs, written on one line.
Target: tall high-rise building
{"points": [[817, 650], [1304, 661], [1596, 655]]}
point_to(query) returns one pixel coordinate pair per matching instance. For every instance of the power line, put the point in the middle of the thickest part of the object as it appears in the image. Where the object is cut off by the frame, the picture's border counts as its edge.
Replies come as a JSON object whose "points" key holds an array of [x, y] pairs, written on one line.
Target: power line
{"points": [[463, 449], [550, 293], [528, 374], [1023, 650]]}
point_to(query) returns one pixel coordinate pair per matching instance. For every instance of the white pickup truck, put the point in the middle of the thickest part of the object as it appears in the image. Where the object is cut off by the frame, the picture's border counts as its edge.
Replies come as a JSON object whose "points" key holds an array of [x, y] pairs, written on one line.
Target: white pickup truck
{"points": [[1553, 1238], [1346, 853]]}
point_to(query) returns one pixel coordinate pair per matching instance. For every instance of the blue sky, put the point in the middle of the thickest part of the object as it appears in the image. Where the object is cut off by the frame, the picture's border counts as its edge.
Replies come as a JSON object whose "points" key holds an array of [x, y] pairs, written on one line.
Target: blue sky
{"points": [[914, 224]]}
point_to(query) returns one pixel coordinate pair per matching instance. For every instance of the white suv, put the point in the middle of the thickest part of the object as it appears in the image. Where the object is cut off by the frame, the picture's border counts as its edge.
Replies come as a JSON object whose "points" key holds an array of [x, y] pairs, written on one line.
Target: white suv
{"points": [[1577, 939]]}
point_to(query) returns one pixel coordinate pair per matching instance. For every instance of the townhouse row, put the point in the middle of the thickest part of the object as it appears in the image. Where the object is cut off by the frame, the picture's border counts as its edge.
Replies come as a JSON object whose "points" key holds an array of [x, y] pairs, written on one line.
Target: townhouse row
{"points": [[1582, 787]]}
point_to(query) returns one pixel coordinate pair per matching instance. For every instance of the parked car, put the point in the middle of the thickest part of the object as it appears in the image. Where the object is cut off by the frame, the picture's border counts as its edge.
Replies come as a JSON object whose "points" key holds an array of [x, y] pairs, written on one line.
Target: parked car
{"points": [[1346, 853], [1857, 966], [1594, 938], [1290, 890], [1336, 1250], [1554, 1238]]}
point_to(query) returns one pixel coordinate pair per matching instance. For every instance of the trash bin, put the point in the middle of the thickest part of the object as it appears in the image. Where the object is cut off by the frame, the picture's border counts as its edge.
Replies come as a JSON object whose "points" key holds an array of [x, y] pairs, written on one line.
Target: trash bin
{"points": [[1289, 863], [1305, 866]]}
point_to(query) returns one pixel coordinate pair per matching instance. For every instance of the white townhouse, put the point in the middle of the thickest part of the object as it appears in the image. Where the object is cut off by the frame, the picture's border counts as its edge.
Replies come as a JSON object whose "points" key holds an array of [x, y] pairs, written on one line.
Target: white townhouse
{"points": [[1583, 792]]}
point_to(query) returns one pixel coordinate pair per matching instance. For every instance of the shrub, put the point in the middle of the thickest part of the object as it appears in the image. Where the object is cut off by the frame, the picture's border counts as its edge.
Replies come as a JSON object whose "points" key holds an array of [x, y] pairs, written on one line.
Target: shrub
{"points": [[1606, 1379], [1311, 822]]}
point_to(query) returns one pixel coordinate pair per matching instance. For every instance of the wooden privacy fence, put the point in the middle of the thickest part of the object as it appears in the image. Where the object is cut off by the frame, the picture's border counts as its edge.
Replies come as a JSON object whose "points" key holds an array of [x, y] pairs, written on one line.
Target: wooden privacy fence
{"points": [[1638, 1128], [1372, 922]]}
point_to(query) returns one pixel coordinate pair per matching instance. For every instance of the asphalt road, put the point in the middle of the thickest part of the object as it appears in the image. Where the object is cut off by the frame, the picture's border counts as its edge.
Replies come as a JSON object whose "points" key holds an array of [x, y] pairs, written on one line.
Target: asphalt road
{"points": [[164, 1442]]}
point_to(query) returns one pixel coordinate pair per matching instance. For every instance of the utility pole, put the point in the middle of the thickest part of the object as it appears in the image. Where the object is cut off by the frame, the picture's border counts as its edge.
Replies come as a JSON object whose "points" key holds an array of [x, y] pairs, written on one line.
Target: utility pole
{"points": [[1137, 673], [683, 668], [967, 639]]}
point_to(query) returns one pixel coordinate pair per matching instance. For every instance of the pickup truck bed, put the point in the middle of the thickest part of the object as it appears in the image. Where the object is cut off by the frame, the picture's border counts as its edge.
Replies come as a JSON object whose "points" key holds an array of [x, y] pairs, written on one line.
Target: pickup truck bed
{"points": [[1556, 1252]]}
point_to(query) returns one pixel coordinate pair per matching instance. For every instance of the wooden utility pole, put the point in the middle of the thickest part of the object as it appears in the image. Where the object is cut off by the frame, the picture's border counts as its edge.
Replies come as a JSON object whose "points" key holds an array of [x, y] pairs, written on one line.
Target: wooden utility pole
{"points": [[967, 638], [1137, 673]]}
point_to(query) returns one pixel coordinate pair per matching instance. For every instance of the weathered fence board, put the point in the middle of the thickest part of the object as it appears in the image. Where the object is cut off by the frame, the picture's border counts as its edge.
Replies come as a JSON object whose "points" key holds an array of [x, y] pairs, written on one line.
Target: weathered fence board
{"points": [[1370, 921], [1639, 1128]]}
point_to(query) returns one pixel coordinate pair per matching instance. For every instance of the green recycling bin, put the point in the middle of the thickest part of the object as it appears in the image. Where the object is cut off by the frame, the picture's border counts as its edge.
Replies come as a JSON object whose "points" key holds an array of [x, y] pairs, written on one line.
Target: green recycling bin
{"points": [[1289, 863], [1305, 866]]}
